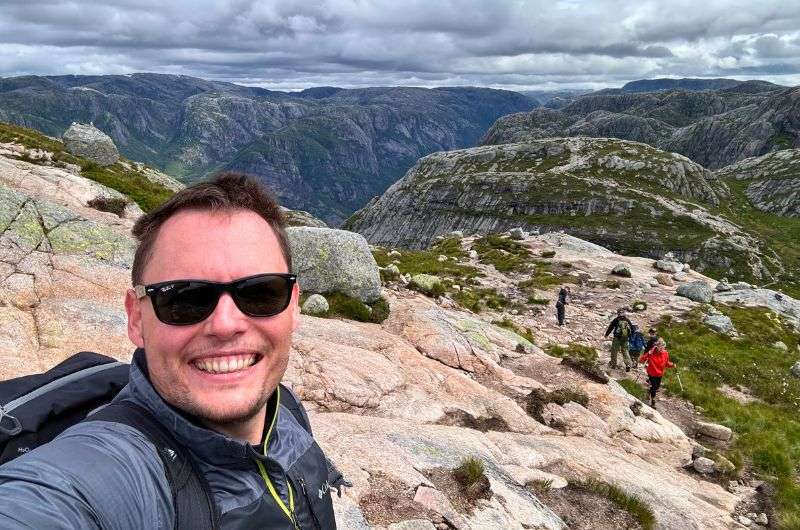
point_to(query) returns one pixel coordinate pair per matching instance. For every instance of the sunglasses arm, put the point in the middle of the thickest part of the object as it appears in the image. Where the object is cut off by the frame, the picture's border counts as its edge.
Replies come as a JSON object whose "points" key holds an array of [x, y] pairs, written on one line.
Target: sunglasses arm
{"points": [[141, 291]]}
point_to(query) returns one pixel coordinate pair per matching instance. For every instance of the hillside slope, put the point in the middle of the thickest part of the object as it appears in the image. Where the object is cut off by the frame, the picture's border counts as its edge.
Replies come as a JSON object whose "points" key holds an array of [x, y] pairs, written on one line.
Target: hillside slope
{"points": [[713, 128], [626, 196], [324, 150]]}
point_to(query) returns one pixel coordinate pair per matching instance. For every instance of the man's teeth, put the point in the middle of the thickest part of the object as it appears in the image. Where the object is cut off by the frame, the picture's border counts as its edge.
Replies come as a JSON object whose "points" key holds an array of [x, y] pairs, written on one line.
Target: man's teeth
{"points": [[224, 365]]}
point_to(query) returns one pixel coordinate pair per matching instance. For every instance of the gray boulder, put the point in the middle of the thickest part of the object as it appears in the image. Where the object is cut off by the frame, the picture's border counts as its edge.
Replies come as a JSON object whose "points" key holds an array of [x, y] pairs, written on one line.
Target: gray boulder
{"points": [[713, 430], [703, 465], [316, 305], [517, 234], [719, 323], [668, 266], [327, 260], [780, 345], [723, 287], [795, 369], [621, 269], [680, 276], [91, 143], [698, 291]]}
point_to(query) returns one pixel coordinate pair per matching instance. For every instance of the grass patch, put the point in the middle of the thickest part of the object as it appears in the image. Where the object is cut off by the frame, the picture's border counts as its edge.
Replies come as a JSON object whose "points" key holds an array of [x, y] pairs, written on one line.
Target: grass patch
{"points": [[542, 275], [548, 254], [504, 253], [470, 471], [767, 432], [572, 350], [344, 306], [538, 398], [476, 299], [633, 388], [525, 333], [612, 284], [625, 501]]}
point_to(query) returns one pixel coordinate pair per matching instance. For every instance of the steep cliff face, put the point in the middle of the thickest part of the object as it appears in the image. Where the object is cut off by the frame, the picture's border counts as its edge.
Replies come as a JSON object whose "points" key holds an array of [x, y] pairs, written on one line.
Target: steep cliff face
{"points": [[713, 128], [624, 195], [771, 182], [324, 150]]}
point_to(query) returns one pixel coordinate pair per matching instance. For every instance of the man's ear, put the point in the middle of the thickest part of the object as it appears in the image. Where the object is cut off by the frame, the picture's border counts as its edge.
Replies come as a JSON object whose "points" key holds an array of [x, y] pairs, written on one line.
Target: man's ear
{"points": [[134, 310], [295, 306]]}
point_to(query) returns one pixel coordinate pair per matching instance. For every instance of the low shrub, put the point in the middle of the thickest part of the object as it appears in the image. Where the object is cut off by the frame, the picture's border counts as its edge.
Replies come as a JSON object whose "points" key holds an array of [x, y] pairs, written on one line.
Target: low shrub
{"points": [[470, 471], [538, 398], [344, 306], [525, 333], [505, 254], [573, 349], [630, 503], [638, 306], [612, 284], [115, 205], [538, 301], [548, 254]]}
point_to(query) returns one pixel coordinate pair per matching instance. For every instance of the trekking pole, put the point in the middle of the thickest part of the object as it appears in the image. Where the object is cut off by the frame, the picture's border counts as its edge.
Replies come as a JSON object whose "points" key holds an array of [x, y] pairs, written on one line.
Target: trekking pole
{"points": [[679, 379]]}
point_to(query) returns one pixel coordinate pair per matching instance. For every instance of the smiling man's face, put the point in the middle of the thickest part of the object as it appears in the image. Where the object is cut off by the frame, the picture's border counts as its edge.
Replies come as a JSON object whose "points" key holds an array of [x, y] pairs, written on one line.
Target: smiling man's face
{"points": [[224, 368]]}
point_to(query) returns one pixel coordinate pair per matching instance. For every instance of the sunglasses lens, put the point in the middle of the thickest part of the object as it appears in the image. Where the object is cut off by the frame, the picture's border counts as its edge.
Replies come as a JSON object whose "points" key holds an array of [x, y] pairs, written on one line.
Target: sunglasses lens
{"points": [[184, 303], [263, 296]]}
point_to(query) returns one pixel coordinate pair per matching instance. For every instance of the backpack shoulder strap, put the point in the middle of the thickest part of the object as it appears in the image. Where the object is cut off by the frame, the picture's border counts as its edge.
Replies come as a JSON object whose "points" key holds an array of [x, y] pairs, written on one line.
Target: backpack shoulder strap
{"points": [[291, 402], [191, 494]]}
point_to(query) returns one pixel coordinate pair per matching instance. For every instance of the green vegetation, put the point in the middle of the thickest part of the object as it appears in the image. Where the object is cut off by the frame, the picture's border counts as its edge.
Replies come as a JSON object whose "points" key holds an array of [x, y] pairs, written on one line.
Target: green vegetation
{"points": [[780, 235], [470, 472], [115, 205], [504, 253], [450, 271], [625, 501], [543, 274], [344, 306], [767, 431], [525, 333], [638, 305], [633, 388], [573, 349], [538, 398], [548, 253], [145, 193]]}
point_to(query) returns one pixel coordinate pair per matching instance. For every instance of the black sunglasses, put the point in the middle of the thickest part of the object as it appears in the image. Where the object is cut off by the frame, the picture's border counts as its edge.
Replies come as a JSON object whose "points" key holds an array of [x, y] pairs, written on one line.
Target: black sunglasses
{"points": [[186, 302]]}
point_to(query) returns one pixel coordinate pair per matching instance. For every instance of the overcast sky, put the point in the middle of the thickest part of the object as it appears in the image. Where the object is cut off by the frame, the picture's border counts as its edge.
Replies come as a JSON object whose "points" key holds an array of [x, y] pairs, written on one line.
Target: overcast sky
{"points": [[505, 44]]}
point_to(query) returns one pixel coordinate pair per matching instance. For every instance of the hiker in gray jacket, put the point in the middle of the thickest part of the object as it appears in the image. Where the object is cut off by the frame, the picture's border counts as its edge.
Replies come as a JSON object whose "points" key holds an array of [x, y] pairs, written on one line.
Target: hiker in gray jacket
{"points": [[212, 313]]}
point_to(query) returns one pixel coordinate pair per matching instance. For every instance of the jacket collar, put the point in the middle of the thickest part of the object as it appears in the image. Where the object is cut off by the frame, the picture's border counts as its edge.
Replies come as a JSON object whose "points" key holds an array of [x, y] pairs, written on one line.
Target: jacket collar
{"points": [[207, 445]]}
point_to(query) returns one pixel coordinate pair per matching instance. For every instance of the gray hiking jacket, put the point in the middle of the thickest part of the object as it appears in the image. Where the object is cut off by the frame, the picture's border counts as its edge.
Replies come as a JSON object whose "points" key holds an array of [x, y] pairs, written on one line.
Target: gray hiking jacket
{"points": [[104, 475]]}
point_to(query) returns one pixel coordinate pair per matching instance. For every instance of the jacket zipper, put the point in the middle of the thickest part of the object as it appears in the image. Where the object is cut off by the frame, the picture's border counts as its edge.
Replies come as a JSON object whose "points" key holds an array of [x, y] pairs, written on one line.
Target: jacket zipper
{"points": [[308, 502]]}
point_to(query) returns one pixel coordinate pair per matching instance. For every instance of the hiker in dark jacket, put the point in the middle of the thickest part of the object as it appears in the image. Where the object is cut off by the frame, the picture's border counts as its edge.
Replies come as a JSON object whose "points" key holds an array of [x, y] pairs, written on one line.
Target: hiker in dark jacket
{"points": [[657, 360], [208, 365], [622, 328], [561, 304], [636, 345]]}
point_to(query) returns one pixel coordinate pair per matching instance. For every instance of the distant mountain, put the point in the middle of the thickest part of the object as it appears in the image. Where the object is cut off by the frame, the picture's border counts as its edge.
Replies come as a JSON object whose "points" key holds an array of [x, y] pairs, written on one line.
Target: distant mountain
{"points": [[554, 99], [712, 127], [326, 150]]}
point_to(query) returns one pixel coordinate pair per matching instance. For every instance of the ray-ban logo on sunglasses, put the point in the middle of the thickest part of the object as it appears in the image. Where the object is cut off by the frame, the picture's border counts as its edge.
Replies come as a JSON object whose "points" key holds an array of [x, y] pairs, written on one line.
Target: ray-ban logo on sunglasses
{"points": [[166, 288]]}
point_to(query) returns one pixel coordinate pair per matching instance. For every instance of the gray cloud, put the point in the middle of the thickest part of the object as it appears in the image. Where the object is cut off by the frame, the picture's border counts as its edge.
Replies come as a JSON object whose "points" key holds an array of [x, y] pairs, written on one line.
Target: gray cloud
{"points": [[294, 44]]}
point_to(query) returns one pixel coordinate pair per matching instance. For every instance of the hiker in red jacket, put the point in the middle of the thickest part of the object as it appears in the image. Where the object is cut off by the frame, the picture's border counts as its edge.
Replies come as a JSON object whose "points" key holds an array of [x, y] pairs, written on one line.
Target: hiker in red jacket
{"points": [[657, 360]]}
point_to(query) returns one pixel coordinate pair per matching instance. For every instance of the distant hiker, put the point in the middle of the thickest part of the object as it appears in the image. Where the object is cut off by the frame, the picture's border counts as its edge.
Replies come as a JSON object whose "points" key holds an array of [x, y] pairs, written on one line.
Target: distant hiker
{"points": [[636, 345], [622, 328], [561, 304], [657, 361]]}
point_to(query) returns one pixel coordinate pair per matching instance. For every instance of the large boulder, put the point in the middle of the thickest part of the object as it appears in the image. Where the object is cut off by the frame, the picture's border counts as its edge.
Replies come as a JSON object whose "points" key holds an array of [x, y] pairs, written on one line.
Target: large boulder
{"points": [[698, 291], [327, 260], [714, 430], [719, 323], [91, 143], [668, 266]]}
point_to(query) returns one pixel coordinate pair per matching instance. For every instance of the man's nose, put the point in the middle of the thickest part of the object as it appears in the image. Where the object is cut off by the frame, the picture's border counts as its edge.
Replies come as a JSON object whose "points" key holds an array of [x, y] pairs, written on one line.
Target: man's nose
{"points": [[226, 320]]}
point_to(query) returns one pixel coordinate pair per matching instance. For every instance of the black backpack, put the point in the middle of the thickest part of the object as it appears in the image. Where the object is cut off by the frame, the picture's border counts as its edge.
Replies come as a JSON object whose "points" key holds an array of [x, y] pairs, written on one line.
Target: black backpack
{"points": [[34, 409]]}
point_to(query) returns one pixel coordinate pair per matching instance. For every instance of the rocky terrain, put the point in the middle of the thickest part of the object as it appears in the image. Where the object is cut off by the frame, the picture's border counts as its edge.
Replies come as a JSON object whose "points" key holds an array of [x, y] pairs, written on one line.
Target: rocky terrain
{"points": [[400, 403], [772, 181], [325, 150], [627, 196], [712, 127]]}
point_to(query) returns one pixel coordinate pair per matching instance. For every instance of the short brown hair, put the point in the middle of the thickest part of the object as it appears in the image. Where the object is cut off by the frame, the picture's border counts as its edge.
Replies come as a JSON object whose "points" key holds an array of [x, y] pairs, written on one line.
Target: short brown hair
{"points": [[224, 192]]}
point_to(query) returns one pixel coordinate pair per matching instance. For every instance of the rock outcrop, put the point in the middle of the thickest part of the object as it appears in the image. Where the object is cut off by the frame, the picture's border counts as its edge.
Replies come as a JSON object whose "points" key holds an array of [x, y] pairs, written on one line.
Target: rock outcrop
{"points": [[89, 142], [772, 181], [595, 189], [713, 127], [328, 261]]}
